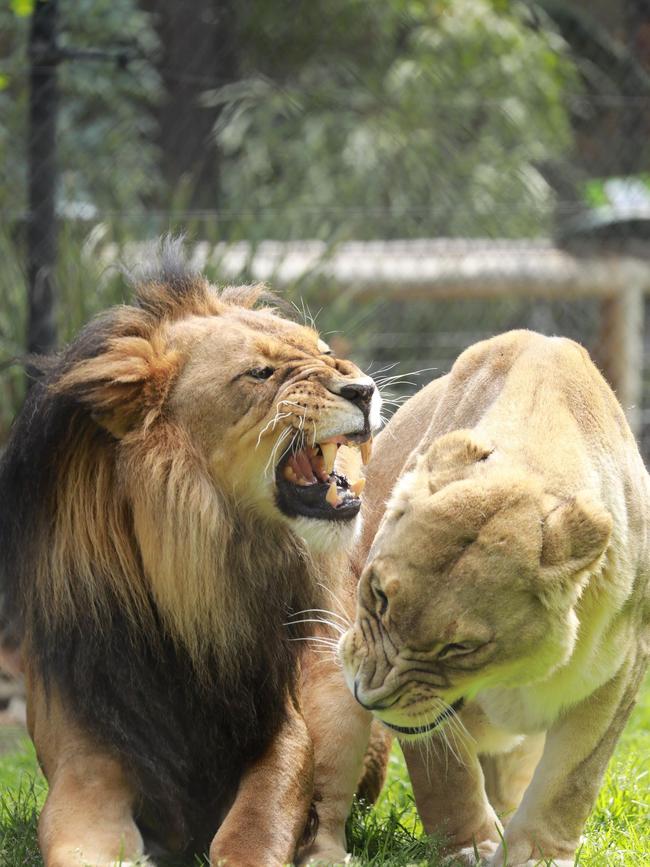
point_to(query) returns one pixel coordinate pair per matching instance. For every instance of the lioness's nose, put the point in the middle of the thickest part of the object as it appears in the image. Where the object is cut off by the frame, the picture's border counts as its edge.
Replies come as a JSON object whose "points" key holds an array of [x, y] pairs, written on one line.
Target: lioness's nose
{"points": [[363, 701], [359, 392]]}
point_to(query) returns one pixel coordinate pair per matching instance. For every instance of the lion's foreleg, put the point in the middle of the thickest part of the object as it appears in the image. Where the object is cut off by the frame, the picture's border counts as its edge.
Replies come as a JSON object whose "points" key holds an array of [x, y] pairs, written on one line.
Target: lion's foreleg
{"points": [[87, 820], [552, 814], [340, 730], [268, 817], [450, 796]]}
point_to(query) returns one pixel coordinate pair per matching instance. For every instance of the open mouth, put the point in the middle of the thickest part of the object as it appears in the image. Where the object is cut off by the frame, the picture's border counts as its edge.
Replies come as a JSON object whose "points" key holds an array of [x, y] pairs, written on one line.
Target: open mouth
{"points": [[307, 484], [428, 727]]}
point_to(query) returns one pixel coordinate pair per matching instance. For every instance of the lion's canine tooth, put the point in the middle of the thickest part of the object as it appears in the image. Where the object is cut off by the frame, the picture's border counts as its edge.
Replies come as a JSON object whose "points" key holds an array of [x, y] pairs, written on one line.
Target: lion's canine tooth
{"points": [[358, 486], [366, 451], [331, 496], [289, 474], [329, 456]]}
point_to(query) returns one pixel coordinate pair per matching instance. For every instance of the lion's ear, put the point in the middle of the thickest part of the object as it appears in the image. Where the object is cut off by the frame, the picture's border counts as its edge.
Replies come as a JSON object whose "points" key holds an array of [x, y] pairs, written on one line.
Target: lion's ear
{"points": [[125, 385], [574, 535]]}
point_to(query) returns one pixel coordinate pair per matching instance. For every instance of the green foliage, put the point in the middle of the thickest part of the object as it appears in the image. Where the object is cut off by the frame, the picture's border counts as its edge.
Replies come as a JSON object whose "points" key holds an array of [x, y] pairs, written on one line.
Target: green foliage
{"points": [[22, 8], [107, 157], [393, 119], [396, 118]]}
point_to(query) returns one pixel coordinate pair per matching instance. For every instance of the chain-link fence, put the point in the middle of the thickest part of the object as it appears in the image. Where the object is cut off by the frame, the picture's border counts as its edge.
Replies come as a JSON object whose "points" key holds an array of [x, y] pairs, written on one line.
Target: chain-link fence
{"points": [[419, 175]]}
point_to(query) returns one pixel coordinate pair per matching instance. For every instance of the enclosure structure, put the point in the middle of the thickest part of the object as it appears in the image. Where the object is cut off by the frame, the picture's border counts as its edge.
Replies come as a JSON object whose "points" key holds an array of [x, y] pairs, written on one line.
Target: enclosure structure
{"points": [[444, 269]]}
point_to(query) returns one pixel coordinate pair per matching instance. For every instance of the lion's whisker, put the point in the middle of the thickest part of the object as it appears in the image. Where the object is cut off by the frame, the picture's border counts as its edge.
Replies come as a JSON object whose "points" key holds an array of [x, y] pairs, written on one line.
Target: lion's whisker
{"points": [[272, 461], [316, 640], [334, 597], [346, 620], [270, 424], [330, 623]]}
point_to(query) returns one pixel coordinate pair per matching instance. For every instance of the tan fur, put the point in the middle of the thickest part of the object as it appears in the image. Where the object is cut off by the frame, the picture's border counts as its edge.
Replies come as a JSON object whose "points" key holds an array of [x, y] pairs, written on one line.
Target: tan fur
{"points": [[179, 442], [510, 570]]}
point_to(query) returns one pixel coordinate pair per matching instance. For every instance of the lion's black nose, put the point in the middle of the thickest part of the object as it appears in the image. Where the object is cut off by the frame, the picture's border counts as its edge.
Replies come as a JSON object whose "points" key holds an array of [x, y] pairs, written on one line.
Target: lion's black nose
{"points": [[358, 393]]}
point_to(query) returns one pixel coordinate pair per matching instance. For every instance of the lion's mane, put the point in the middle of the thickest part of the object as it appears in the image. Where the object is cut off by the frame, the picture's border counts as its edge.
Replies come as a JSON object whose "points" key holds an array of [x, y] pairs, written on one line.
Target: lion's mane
{"points": [[182, 669]]}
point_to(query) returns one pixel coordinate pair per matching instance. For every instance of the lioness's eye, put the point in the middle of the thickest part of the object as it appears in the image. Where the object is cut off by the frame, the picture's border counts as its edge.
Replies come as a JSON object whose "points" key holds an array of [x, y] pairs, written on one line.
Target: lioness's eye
{"points": [[382, 600], [261, 372], [459, 649]]}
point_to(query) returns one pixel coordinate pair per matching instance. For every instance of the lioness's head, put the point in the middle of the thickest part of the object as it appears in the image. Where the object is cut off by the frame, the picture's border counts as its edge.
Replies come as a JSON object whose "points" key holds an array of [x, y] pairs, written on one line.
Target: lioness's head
{"points": [[471, 583]]}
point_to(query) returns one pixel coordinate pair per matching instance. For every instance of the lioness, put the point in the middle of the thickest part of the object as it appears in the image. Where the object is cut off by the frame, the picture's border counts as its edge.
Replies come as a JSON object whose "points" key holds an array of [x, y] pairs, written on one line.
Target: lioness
{"points": [[504, 605]]}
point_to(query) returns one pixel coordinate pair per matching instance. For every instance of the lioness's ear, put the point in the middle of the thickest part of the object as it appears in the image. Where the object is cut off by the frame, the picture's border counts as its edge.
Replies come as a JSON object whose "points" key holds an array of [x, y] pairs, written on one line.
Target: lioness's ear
{"points": [[574, 535], [124, 385]]}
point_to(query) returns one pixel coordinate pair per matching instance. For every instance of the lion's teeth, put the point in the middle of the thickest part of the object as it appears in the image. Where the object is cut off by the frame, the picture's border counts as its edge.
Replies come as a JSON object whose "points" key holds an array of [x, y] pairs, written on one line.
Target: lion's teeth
{"points": [[332, 496], [289, 474], [329, 456], [366, 451], [358, 486]]}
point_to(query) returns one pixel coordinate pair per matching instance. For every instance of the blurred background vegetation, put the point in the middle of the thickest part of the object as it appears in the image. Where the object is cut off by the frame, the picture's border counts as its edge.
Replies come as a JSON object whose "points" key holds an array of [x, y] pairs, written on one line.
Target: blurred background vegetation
{"points": [[334, 120]]}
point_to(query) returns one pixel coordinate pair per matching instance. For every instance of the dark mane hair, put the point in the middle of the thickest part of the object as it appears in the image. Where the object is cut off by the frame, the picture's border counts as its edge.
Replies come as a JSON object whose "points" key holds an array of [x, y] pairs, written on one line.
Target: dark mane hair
{"points": [[183, 670]]}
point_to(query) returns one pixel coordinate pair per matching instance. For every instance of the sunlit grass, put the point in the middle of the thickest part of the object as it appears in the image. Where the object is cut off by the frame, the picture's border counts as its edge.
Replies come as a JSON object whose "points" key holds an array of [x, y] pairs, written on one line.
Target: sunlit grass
{"points": [[390, 833]]}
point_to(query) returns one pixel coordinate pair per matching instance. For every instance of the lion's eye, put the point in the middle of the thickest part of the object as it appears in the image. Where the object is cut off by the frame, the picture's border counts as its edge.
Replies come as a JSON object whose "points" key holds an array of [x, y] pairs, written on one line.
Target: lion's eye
{"points": [[458, 649], [261, 372]]}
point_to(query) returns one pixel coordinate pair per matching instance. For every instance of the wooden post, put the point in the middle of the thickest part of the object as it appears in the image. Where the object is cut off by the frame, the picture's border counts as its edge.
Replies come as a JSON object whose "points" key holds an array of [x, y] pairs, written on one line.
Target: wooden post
{"points": [[621, 350]]}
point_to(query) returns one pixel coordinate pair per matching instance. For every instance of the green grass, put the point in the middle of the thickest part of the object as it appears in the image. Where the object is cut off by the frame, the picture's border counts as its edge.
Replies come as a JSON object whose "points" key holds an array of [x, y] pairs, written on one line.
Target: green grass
{"points": [[390, 834]]}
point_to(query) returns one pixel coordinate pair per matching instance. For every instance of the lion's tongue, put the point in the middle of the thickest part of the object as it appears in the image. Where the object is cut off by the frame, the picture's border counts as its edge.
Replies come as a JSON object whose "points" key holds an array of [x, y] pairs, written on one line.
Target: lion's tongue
{"points": [[306, 467], [312, 465]]}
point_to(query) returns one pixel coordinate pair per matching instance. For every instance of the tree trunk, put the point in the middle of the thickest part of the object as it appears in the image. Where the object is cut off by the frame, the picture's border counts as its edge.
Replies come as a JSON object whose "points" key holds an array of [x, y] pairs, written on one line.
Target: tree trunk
{"points": [[41, 223], [198, 54]]}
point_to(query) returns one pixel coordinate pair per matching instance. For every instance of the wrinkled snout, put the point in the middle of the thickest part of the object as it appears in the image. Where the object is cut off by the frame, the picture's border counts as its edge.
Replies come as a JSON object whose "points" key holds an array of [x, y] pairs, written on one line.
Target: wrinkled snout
{"points": [[371, 681]]}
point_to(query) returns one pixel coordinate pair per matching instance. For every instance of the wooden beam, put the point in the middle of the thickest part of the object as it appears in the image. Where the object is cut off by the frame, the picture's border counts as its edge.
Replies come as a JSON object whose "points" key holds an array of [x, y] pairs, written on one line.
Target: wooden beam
{"points": [[431, 269], [620, 350]]}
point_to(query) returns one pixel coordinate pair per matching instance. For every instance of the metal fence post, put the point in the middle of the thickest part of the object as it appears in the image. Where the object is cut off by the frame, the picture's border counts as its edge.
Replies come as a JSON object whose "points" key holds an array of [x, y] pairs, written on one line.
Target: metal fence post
{"points": [[41, 223]]}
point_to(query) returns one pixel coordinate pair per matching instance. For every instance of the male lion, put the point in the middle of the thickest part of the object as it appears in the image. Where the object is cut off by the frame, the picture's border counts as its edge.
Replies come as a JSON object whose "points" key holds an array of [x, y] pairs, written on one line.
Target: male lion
{"points": [[160, 493], [504, 606]]}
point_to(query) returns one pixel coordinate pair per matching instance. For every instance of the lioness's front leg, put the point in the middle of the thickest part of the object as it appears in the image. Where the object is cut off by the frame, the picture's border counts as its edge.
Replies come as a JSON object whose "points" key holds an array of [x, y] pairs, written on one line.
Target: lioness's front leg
{"points": [[269, 815], [550, 820], [450, 796]]}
